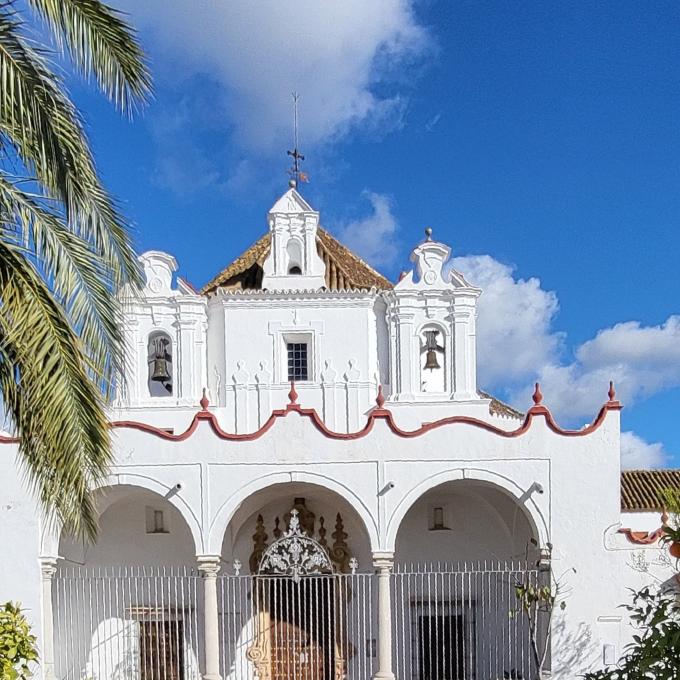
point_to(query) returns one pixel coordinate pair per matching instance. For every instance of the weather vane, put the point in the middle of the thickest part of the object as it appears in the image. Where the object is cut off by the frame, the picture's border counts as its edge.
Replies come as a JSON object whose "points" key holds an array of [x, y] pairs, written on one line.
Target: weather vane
{"points": [[295, 172]]}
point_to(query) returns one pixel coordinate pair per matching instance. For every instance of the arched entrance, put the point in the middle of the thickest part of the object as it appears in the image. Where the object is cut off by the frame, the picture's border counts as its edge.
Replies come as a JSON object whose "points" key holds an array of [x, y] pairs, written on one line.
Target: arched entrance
{"points": [[462, 548], [302, 612], [127, 606]]}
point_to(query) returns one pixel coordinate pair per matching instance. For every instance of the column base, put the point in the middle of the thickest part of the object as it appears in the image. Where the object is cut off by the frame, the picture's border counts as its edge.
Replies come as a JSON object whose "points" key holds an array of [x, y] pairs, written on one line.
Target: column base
{"points": [[383, 675]]}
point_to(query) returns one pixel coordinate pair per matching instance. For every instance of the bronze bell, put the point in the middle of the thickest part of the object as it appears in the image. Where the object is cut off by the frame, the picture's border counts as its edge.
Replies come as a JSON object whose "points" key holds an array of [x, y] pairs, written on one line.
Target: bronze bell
{"points": [[160, 371], [431, 360], [431, 347], [161, 359]]}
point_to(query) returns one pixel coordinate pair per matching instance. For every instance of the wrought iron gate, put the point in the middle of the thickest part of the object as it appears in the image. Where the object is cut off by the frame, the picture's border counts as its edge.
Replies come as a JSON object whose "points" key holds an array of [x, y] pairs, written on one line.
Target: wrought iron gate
{"points": [[297, 619]]}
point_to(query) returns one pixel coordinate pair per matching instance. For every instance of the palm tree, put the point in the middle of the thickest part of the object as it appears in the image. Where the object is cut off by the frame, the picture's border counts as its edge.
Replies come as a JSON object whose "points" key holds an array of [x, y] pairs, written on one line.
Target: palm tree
{"points": [[64, 247]]}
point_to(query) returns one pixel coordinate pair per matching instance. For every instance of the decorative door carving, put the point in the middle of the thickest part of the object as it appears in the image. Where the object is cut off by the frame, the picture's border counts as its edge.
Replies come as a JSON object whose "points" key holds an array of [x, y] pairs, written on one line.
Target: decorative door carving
{"points": [[297, 598]]}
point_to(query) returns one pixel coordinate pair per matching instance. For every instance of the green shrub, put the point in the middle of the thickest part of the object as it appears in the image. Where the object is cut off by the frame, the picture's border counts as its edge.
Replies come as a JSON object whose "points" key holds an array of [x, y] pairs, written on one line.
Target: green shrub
{"points": [[654, 653], [17, 644]]}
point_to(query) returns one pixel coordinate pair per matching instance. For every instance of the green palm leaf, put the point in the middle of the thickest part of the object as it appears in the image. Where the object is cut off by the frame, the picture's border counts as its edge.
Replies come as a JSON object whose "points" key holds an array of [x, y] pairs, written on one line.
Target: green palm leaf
{"points": [[102, 45], [65, 251]]}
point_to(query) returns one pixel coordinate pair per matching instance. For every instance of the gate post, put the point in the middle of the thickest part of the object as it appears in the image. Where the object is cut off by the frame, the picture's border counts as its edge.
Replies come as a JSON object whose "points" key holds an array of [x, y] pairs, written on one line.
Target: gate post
{"points": [[383, 563], [208, 566], [48, 568]]}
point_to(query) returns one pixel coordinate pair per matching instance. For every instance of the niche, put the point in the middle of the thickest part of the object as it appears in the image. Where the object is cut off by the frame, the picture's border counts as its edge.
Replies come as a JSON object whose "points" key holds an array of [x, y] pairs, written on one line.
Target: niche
{"points": [[294, 250], [159, 359]]}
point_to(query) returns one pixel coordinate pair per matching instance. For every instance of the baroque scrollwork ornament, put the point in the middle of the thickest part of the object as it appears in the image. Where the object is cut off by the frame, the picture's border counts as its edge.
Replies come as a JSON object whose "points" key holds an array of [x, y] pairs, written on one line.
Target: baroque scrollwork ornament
{"points": [[295, 554]]}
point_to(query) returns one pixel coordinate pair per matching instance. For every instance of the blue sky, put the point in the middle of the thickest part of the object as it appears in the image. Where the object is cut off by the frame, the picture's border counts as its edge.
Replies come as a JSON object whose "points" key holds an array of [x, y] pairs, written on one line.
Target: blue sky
{"points": [[540, 140]]}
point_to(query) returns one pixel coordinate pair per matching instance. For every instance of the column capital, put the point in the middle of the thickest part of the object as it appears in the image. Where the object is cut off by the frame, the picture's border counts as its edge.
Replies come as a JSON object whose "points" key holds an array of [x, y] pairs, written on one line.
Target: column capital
{"points": [[209, 565], [383, 560], [48, 567]]}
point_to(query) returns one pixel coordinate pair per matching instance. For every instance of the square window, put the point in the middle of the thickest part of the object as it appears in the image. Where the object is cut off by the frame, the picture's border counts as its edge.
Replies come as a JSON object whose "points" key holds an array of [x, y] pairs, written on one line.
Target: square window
{"points": [[297, 361]]}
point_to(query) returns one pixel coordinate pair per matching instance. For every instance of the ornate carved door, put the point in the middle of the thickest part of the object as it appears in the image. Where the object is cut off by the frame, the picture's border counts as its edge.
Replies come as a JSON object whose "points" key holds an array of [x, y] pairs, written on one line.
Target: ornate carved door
{"points": [[294, 654], [295, 596]]}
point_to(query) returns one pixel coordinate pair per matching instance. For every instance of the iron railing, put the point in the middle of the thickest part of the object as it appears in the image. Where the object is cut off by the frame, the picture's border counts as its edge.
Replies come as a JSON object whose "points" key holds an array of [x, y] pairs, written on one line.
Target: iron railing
{"points": [[450, 622], [127, 623], [461, 621]]}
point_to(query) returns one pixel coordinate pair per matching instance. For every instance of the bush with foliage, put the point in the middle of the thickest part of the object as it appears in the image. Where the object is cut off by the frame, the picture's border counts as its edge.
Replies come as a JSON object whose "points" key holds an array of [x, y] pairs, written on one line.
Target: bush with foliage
{"points": [[654, 653], [17, 644], [670, 498]]}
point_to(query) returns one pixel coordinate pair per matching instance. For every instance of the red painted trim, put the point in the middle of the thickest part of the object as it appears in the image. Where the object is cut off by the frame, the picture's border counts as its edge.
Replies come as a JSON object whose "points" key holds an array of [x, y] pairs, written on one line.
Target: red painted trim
{"points": [[377, 413], [642, 537], [646, 537]]}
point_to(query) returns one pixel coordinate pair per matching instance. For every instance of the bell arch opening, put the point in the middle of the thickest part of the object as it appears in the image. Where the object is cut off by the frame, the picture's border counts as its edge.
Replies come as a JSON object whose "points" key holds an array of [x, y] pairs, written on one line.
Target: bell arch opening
{"points": [[160, 379]]}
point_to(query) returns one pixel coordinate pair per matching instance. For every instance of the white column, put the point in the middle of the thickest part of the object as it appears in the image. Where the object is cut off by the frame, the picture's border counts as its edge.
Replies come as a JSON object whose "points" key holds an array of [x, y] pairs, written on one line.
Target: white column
{"points": [[463, 347], [209, 566], [383, 563], [48, 568], [409, 383]]}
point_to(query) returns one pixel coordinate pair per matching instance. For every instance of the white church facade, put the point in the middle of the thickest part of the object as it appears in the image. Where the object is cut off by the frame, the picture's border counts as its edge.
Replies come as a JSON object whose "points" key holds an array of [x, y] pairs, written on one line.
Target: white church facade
{"points": [[309, 484]]}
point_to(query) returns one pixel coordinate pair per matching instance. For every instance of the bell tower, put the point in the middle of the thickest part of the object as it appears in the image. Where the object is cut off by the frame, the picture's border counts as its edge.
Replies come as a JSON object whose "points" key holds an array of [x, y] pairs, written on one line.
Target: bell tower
{"points": [[293, 262], [431, 322]]}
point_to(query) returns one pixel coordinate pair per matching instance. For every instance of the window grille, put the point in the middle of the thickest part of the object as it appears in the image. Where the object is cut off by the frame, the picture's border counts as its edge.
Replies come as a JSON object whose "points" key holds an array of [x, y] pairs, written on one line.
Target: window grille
{"points": [[297, 361]]}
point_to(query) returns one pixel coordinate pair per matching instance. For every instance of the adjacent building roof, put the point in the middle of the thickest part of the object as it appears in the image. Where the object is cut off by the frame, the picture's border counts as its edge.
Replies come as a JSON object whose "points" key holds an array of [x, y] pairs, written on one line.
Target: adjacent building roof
{"points": [[640, 488], [344, 269], [500, 408]]}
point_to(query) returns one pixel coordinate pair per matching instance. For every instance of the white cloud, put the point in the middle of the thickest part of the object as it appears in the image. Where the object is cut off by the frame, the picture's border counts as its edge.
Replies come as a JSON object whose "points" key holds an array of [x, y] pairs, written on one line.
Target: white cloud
{"points": [[334, 53], [636, 453], [373, 237], [517, 345], [514, 334], [642, 361]]}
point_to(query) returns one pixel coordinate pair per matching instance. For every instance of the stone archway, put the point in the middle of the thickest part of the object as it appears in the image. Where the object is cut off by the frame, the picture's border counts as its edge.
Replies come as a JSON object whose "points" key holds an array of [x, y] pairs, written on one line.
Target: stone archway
{"points": [[461, 548], [299, 544], [127, 606]]}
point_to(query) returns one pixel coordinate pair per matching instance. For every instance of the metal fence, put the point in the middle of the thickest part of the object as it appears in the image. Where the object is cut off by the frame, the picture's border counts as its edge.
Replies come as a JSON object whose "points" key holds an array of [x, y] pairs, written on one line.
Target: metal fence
{"points": [[316, 627], [128, 623], [450, 622], [460, 622]]}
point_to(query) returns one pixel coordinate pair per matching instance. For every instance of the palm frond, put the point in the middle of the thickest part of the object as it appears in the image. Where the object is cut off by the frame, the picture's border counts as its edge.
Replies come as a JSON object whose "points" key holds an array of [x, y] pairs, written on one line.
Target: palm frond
{"points": [[76, 273], [65, 445], [44, 128], [101, 44]]}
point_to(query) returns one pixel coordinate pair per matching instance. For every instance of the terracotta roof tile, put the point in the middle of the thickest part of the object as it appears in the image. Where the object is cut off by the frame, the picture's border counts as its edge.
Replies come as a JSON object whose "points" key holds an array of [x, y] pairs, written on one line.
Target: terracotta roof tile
{"points": [[500, 408], [640, 488], [344, 270]]}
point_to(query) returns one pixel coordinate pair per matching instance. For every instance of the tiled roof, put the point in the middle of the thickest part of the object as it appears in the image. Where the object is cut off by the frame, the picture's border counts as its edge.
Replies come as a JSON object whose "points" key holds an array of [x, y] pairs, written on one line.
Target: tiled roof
{"points": [[640, 488], [344, 270], [500, 408]]}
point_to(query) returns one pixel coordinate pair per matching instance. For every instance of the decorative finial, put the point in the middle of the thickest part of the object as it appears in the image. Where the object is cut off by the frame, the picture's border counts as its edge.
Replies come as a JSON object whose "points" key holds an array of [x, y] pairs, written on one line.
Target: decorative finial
{"points": [[428, 233], [380, 399], [205, 402], [295, 172], [537, 395], [292, 395], [612, 392]]}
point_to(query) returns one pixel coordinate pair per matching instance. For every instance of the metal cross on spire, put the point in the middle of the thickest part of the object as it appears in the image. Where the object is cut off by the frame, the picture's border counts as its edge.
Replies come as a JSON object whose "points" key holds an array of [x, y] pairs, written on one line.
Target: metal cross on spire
{"points": [[295, 172]]}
